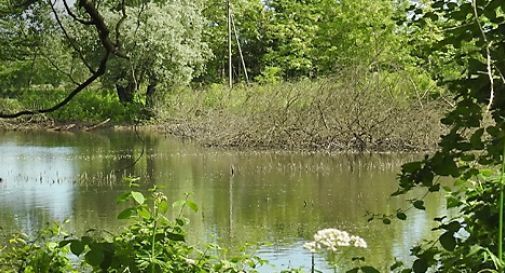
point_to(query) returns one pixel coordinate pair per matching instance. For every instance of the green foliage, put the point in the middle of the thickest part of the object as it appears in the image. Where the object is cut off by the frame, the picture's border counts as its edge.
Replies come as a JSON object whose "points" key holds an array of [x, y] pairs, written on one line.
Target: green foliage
{"points": [[43, 255], [150, 243], [471, 240], [250, 18], [162, 41], [92, 106]]}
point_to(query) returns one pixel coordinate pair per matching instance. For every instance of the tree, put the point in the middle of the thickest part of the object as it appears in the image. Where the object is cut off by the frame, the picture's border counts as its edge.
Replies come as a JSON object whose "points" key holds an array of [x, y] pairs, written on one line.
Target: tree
{"points": [[164, 45], [250, 21], [472, 152], [89, 16]]}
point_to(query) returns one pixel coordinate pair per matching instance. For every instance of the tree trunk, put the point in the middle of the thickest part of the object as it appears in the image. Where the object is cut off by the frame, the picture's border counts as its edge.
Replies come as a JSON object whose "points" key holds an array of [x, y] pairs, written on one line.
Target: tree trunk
{"points": [[126, 93], [151, 89]]}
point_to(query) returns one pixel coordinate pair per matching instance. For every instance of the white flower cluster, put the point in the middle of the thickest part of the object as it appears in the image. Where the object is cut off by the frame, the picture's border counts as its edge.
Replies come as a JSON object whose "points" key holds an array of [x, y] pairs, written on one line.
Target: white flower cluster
{"points": [[331, 238]]}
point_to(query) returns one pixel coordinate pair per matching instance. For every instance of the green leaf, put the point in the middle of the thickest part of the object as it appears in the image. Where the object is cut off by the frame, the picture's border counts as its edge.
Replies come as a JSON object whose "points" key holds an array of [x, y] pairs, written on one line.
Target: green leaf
{"points": [[448, 241], [354, 270], [65, 242], [419, 204], [77, 247], [419, 266], [175, 236], [386, 221], [401, 216], [94, 257], [454, 226], [123, 197], [144, 213], [411, 167], [369, 269], [179, 203], [138, 197], [163, 206], [192, 205], [127, 213]]}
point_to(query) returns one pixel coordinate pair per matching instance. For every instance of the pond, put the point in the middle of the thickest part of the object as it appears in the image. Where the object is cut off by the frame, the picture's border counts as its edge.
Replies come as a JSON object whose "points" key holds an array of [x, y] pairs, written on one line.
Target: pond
{"points": [[279, 199]]}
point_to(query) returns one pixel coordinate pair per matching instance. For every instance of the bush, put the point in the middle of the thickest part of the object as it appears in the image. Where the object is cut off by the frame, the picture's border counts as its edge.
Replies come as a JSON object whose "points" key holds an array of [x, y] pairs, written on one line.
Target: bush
{"points": [[151, 243], [357, 110]]}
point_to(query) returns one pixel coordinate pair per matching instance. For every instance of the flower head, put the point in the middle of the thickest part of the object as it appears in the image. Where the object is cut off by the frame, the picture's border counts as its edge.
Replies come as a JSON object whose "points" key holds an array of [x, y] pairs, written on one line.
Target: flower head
{"points": [[331, 238]]}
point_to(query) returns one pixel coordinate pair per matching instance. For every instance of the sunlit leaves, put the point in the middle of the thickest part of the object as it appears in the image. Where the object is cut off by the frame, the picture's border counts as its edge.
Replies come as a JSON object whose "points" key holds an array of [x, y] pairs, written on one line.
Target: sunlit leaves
{"points": [[138, 197]]}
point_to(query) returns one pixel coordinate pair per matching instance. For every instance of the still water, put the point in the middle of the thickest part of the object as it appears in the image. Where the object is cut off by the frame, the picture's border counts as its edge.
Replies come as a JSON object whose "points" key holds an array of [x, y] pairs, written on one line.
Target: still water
{"points": [[278, 199]]}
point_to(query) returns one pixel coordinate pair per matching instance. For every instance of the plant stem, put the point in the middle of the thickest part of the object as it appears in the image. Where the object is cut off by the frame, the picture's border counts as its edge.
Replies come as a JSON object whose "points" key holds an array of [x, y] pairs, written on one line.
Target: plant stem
{"points": [[313, 264], [154, 239], [500, 221]]}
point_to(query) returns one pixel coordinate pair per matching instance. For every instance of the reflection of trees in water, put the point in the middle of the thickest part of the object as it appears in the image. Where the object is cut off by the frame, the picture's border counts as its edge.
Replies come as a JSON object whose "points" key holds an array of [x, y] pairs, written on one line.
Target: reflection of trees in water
{"points": [[276, 197]]}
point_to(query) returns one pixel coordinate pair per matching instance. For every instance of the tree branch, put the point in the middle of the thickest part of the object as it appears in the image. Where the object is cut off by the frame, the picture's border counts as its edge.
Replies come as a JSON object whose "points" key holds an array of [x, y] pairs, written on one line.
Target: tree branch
{"points": [[70, 40], [100, 71], [109, 46], [488, 55], [69, 11]]}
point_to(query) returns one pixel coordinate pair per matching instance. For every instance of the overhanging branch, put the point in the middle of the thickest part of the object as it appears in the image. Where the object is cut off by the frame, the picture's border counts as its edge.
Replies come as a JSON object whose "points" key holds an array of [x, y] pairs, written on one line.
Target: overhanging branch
{"points": [[111, 48]]}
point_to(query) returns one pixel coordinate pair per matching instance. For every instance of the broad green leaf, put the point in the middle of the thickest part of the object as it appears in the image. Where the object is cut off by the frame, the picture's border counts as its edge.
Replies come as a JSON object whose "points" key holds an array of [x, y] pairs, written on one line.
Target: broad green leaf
{"points": [[127, 213], [77, 247], [138, 197], [419, 204], [144, 213], [448, 241], [419, 266], [192, 205], [175, 236], [94, 257]]}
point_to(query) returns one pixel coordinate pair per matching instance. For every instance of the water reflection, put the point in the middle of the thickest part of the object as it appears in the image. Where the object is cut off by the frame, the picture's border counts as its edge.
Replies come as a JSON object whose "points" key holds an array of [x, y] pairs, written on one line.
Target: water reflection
{"points": [[276, 197]]}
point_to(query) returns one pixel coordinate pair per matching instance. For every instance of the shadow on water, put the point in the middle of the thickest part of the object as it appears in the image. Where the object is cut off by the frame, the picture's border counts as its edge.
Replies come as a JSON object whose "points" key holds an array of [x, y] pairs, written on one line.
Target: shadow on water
{"points": [[277, 197]]}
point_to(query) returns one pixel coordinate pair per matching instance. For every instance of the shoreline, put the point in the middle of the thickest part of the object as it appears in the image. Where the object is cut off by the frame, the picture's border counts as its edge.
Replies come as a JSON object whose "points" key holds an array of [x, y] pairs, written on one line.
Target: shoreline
{"points": [[161, 129]]}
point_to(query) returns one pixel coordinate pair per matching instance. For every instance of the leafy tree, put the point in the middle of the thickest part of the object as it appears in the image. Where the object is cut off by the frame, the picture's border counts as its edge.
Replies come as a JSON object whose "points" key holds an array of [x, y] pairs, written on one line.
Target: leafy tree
{"points": [[291, 35], [86, 14], [250, 18], [26, 59], [472, 152]]}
